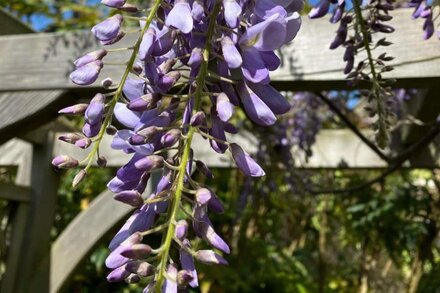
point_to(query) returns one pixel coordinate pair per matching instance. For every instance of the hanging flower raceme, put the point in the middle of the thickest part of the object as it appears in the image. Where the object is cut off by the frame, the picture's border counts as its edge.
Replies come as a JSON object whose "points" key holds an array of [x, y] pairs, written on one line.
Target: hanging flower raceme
{"points": [[217, 53]]}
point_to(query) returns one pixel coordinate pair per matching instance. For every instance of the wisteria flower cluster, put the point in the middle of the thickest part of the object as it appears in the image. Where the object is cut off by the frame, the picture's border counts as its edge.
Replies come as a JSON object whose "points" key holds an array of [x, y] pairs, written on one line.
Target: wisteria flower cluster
{"points": [[193, 64], [425, 9], [357, 27]]}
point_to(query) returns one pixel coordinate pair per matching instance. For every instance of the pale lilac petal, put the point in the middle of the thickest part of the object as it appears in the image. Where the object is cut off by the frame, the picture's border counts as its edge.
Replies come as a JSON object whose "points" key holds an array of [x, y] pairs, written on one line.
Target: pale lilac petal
{"points": [[244, 162]]}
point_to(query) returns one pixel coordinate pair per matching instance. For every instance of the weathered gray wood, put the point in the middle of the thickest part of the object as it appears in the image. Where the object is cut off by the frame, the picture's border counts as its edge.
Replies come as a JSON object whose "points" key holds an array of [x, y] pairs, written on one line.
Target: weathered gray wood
{"points": [[84, 232], [44, 61], [39, 219], [24, 111], [18, 153], [14, 192]]}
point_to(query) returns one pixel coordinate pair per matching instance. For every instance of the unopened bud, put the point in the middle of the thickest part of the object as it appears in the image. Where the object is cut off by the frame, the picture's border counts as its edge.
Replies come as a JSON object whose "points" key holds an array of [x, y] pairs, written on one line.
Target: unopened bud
{"points": [[140, 268], [204, 169], [77, 109], [198, 119], [184, 277], [130, 8], [107, 83], [170, 138], [133, 279], [70, 137], [83, 143], [64, 162], [149, 163], [79, 178], [136, 251], [181, 229], [137, 68], [102, 162], [149, 132], [130, 197], [111, 130]]}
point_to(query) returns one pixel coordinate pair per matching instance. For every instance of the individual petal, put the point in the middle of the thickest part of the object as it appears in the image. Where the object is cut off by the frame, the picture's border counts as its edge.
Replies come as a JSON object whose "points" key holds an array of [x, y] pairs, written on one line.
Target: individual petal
{"points": [[187, 263], [218, 132], [320, 10], [170, 285], [232, 12], [293, 26], [146, 46], [271, 97], [197, 11], [253, 67], [210, 257], [230, 53], [181, 230], [244, 162], [180, 17], [271, 60], [91, 130], [125, 116], [115, 259], [87, 74], [203, 228], [224, 107], [267, 35], [257, 110], [136, 251], [134, 88], [266, 8], [123, 234]]}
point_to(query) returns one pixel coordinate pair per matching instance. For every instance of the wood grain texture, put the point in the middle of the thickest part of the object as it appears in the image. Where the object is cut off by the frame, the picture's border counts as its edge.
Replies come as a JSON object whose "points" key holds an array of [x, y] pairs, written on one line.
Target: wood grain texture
{"points": [[84, 232], [44, 61]]}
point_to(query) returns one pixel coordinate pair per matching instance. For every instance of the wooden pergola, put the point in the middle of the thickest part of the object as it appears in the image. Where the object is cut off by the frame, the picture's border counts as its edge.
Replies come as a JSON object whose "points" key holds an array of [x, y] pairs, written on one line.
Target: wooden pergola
{"points": [[34, 84]]}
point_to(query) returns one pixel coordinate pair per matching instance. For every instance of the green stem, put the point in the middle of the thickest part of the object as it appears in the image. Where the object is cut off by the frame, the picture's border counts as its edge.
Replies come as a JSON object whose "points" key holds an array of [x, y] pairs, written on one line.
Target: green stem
{"points": [[186, 146], [383, 137], [112, 103]]}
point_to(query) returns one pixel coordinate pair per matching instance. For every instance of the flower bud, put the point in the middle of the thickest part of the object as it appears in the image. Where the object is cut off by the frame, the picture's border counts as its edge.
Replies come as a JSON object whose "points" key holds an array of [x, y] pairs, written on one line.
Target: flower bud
{"points": [[145, 102], [149, 163], [108, 29], [90, 57], [64, 162], [181, 229], [180, 17], [107, 83], [133, 279], [130, 8], [79, 178], [244, 162], [75, 109], [117, 275], [70, 137], [146, 47], [198, 119], [204, 169], [111, 130], [140, 268], [168, 80], [184, 277], [166, 66], [210, 257], [136, 251], [91, 130], [95, 110], [102, 162], [230, 52], [130, 197], [149, 132], [87, 74], [83, 143], [170, 138]]}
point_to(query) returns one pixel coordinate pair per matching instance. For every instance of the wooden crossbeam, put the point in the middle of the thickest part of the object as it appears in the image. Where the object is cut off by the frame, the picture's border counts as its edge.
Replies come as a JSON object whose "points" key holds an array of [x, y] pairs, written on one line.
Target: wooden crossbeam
{"points": [[44, 61], [15, 192]]}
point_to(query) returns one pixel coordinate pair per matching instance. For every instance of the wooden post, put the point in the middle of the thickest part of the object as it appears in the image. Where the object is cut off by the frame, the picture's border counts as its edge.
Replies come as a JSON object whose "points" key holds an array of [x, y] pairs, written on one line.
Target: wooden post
{"points": [[32, 255]]}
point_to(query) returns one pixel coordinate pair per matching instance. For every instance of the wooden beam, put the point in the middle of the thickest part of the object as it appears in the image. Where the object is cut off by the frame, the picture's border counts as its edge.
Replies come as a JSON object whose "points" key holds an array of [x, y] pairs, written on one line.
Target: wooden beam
{"points": [[14, 192], [84, 232], [44, 61]]}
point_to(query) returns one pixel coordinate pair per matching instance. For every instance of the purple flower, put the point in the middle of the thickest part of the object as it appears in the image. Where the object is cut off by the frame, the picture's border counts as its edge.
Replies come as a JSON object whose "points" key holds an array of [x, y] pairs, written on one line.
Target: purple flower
{"points": [[170, 285], [230, 53], [210, 257], [232, 11], [87, 74], [180, 17], [95, 110], [64, 162], [320, 10], [108, 30], [146, 47], [224, 107], [244, 162], [203, 228]]}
